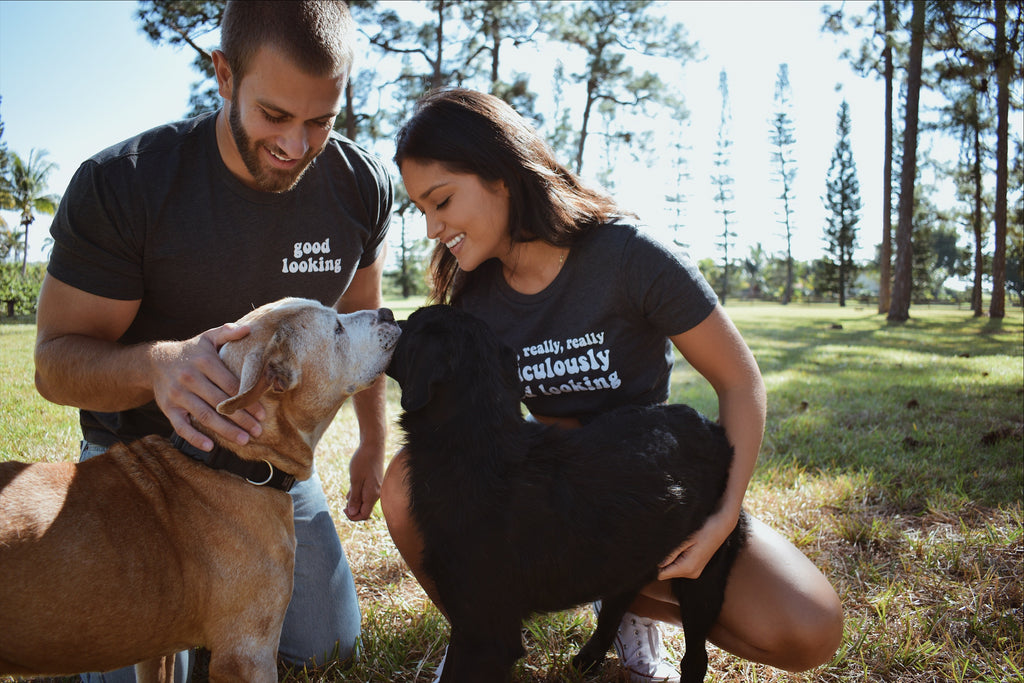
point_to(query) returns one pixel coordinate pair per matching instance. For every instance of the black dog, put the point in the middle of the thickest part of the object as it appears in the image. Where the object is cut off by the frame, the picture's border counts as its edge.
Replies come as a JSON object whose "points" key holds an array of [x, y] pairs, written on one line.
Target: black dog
{"points": [[518, 518]]}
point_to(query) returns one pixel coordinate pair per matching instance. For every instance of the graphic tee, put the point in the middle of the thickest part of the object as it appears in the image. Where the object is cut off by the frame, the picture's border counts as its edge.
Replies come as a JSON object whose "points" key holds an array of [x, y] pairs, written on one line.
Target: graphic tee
{"points": [[161, 219], [597, 337]]}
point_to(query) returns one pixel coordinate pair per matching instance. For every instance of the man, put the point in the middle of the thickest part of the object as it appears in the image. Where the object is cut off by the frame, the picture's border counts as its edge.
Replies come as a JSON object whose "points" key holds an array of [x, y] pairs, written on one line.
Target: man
{"points": [[166, 236]]}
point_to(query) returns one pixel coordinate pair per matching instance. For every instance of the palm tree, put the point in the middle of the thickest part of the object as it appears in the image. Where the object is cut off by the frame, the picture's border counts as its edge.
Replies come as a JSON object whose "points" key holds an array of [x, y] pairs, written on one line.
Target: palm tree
{"points": [[10, 242], [27, 186]]}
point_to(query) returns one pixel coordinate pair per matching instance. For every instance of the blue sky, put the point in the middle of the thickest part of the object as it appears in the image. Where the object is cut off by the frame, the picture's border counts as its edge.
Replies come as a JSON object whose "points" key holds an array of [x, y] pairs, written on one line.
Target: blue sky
{"points": [[77, 76]]}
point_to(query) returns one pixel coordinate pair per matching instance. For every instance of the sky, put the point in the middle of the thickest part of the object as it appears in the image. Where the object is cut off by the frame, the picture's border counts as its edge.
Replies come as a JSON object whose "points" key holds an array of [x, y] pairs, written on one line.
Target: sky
{"points": [[76, 77]]}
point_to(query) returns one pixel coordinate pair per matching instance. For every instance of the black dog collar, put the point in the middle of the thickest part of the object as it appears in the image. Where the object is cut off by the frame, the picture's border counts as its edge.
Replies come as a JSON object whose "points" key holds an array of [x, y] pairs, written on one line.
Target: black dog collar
{"points": [[256, 472]]}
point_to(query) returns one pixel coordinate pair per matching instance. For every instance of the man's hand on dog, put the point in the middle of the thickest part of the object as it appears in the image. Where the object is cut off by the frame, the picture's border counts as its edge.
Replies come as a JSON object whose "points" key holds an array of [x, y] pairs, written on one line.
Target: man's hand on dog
{"points": [[189, 379], [689, 559]]}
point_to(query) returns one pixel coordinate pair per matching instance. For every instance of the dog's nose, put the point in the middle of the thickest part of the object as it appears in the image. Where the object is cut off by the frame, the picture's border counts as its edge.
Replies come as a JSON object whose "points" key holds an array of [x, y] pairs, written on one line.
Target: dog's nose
{"points": [[384, 315]]}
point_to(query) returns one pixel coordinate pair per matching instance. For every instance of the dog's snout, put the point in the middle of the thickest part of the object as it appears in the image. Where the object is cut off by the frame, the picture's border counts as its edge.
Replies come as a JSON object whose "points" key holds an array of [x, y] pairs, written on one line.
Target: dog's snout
{"points": [[385, 315]]}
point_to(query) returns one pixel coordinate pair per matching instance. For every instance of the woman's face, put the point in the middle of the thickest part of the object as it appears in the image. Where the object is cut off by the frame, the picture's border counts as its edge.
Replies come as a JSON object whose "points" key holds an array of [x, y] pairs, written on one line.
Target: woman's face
{"points": [[464, 212]]}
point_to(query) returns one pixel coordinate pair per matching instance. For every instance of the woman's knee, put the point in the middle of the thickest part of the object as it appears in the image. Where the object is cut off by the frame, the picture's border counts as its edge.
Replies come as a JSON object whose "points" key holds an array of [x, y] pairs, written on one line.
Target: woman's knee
{"points": [[813, 636], [779, 609], [796, 637]]}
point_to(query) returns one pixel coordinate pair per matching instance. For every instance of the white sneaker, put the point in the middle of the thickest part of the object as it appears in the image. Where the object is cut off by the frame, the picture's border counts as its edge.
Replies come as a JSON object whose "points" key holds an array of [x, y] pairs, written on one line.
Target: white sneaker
{"points": [[440, 667], [638, 644]]}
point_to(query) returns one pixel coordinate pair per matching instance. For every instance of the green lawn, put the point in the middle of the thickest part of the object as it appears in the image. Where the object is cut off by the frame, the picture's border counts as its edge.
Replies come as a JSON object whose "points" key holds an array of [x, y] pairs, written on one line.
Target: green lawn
{"points": [[892, 457]]}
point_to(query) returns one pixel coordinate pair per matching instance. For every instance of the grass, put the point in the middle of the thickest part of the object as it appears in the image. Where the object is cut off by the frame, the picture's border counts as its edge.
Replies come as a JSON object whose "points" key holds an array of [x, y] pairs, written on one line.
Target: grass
{"points": [[892, 458]]}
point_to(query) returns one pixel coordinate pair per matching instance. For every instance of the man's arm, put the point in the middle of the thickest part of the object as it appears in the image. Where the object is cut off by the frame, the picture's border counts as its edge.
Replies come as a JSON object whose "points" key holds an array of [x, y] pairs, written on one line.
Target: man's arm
{"points": [[366, 470], [80, 363]]}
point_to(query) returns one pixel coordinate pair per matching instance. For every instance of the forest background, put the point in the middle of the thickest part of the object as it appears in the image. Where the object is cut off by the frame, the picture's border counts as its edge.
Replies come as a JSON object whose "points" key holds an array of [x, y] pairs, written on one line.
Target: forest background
{"points": [[612, 85]]}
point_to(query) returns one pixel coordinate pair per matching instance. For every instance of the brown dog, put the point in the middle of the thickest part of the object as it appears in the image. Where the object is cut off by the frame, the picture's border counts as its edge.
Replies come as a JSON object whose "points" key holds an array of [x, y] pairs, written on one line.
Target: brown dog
{"points": [[142, 551]]}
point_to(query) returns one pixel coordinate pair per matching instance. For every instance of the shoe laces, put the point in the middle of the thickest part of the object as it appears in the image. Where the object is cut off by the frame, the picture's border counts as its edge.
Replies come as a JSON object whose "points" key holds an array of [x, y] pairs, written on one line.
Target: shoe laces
{"points": [[642, 644]]}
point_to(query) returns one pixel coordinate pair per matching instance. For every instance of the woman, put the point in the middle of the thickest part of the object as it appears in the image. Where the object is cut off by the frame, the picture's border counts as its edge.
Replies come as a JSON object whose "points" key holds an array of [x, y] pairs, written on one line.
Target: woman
{"points": [[552, 264]]}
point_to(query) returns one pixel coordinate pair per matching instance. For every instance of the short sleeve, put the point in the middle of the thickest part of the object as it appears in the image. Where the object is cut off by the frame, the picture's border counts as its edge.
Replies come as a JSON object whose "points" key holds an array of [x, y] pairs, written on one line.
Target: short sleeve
{"points": [[666, 287], [381, 219], [95, 248]]}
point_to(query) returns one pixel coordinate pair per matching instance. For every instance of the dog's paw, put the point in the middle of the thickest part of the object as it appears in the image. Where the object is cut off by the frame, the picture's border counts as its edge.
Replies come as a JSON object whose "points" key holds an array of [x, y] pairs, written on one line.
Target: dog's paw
{"points": [[694, 666], [584, 662]]}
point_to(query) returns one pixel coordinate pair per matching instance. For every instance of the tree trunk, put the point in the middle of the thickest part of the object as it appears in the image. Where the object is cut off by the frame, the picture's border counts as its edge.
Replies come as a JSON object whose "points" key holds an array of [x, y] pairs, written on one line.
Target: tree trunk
{"points": [[1004, 66], [885, 258], [899, 309], [25, 223], [591, 96], [725, 267], [495, 48], [979, 259], [842, 280], [437, 78], [350, 112], [787, 295]]}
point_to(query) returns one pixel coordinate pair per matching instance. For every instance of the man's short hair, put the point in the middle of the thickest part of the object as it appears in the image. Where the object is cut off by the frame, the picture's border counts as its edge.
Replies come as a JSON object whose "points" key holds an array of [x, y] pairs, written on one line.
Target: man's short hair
{"points": [[318, 35]]}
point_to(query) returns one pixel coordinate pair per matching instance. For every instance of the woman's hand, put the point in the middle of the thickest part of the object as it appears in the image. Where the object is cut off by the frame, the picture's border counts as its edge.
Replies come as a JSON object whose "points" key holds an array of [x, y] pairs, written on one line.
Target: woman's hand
{"points": [[689, 559]]}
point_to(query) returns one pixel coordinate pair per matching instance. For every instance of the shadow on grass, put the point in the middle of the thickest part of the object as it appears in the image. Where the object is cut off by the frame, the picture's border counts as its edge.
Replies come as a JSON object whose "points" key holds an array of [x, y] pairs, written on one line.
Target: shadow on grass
{"points": [[929, 410], [18, 320]]}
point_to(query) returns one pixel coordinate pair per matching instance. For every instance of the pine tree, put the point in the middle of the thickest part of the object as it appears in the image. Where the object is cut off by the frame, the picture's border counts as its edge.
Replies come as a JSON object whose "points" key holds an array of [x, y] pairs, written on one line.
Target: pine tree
{"points": [[842, 199], [888, 69], [878, 55], [678, 199], [723, 181], [610, 33], [899, 308], [978, 41], [782, 137], [1005, 68]]}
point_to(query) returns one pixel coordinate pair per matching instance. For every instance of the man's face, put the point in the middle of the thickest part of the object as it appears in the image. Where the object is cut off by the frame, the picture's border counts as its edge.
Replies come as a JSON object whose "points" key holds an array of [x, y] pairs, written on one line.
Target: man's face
{"points": [[279, 119]]}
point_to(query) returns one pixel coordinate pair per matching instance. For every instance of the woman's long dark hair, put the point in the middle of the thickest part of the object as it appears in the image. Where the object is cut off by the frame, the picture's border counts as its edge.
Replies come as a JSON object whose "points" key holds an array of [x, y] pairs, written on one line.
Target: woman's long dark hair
{"points": [[473, 132]]}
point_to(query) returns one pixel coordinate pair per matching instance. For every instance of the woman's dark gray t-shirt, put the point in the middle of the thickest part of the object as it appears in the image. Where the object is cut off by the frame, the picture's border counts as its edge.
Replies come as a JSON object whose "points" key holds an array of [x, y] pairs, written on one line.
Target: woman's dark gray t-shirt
{"points": [[597, 337]]}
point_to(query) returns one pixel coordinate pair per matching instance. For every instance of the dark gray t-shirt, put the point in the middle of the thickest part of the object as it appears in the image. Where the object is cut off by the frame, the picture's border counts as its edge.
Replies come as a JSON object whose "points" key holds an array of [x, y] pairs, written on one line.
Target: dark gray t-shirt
{"points": [[160, 218], [597, 337]]}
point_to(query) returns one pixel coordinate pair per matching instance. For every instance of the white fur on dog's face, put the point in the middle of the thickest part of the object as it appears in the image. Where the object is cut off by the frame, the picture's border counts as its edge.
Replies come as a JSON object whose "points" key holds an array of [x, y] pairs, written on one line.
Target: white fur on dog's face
{"points": [[325, 356], [353, 348], [367, 343]]}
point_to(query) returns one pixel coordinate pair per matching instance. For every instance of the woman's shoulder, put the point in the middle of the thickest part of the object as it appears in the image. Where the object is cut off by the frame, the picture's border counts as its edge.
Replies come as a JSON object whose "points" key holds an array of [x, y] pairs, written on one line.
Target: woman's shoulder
{"points": [[625, 239], [604, 235]]}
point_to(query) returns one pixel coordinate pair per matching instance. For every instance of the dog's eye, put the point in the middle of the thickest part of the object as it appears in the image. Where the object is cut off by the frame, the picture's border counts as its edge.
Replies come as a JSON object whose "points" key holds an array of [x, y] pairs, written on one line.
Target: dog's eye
{"points": [[338, 329]]}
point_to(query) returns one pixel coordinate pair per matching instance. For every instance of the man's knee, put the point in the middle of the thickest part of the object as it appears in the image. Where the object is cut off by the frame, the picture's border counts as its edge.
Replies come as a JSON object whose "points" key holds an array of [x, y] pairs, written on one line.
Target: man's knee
{"points": [[322, 622]]}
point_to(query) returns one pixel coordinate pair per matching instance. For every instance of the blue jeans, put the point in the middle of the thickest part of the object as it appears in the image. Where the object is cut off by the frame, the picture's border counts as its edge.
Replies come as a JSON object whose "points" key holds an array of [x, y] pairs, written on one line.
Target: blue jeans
{"points": [[323, 618]]}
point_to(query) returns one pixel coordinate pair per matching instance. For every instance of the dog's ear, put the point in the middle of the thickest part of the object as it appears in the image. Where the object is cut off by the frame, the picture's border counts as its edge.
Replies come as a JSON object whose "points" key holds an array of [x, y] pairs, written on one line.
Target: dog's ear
{"points": [[272, 368], [427, 366], [417, 394]]}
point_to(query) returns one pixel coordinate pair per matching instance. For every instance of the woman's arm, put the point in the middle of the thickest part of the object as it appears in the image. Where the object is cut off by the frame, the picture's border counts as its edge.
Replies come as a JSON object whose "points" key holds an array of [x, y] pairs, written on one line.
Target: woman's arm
{"points": [[717, 351]]}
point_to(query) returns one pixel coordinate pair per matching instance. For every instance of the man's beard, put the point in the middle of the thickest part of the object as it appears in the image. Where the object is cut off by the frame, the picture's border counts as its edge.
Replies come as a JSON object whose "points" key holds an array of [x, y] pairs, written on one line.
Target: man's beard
{"points": [[267, 179]]}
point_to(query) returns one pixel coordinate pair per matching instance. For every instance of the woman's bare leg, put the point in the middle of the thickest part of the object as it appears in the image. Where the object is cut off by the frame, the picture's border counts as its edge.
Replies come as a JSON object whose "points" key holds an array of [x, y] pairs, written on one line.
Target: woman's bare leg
{"points": [[779, 609], [395, 503]]}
